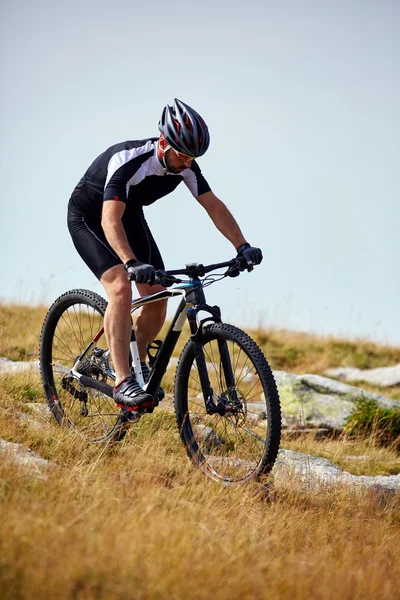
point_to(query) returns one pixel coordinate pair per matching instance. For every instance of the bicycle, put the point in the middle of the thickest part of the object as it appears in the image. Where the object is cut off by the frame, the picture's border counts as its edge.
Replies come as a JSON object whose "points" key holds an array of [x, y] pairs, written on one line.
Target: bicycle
{"points": [[226, 401]]}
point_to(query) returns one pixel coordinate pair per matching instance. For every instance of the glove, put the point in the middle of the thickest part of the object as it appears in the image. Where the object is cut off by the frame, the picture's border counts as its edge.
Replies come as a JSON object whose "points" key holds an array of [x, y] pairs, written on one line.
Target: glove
{"points": [[252, 255], [140, 272]]}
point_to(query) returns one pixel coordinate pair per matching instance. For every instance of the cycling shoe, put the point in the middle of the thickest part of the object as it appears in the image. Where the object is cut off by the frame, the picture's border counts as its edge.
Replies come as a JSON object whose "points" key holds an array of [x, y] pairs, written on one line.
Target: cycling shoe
{"points": [[129, 393]]}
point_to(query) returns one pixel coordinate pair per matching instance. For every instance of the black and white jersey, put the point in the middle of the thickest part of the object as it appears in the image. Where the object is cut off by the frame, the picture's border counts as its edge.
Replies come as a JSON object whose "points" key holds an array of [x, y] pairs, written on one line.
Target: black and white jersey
{"points": [[131, 172]]}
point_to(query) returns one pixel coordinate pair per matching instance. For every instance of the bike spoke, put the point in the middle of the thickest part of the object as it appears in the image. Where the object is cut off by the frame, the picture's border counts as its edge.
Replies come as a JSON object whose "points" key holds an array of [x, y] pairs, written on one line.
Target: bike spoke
{"points": [[74, 332]]}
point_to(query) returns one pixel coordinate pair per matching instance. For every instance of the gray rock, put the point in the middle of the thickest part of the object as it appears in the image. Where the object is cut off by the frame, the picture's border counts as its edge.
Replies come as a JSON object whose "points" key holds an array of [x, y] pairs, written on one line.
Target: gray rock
{"points": [[11, 367], [36, 425], [41, 409], [208, 436], [382, 376], [314, 472], [24, 457], [320, 401]]}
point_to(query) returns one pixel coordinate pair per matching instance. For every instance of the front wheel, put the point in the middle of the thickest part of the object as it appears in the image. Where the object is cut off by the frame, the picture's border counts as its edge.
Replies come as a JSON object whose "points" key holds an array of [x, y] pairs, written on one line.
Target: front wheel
{"points": [[243, 443]]}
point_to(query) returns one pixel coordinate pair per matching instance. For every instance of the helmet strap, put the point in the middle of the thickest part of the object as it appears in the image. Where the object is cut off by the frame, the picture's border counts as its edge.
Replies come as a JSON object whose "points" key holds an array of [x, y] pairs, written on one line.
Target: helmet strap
{"points": [[162, 158]]}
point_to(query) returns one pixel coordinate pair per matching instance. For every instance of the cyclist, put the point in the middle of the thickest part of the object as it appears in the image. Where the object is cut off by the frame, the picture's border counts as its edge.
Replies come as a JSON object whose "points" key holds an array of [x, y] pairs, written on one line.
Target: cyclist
{"points": [[109, 230]]}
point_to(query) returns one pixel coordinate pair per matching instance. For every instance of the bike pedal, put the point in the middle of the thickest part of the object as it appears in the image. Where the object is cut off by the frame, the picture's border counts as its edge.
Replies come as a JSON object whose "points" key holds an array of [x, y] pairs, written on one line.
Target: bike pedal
{"points": [[130, 415]]}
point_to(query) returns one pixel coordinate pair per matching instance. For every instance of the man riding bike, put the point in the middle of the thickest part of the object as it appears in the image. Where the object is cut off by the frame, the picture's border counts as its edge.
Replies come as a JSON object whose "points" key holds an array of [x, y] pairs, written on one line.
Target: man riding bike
{"points": [[109, 230]]}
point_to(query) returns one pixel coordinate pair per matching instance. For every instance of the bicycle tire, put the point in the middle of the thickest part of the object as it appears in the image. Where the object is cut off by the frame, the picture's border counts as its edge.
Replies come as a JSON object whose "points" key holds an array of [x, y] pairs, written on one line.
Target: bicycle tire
{"points": [[222, 446], [71, 323]]}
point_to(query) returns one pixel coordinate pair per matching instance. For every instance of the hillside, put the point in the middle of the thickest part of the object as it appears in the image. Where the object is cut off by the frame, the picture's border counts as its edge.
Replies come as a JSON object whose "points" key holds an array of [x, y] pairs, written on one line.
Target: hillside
{"points": [[136, 520]]}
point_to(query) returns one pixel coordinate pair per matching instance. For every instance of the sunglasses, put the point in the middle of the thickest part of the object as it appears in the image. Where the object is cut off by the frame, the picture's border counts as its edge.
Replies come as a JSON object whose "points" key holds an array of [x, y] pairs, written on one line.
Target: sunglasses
{"points": [[180, 155], [183, 157]]}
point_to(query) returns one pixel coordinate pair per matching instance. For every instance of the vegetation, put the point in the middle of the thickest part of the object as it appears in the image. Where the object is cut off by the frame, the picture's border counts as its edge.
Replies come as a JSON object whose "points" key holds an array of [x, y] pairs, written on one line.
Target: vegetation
{"points": [[368, 419], [136, 520]]}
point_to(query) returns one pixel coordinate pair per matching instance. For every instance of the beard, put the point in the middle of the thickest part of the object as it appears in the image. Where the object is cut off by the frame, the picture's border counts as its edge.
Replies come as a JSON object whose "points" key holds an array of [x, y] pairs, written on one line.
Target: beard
{"points": [[170, 167]]}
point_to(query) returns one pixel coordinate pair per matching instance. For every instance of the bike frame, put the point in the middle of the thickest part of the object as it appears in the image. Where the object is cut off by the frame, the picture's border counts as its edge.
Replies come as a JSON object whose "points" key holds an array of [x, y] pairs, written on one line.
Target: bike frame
{"points": [[192, 302]]}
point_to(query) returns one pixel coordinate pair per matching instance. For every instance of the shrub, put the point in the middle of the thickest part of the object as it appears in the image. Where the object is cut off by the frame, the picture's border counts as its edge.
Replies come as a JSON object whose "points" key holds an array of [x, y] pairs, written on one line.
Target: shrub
{"points": [[368, 418]]}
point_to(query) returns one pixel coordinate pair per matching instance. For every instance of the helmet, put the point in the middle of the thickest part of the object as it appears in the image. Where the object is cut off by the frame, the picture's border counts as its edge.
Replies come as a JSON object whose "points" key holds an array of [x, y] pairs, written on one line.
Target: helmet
{"points": [[184, 129]]}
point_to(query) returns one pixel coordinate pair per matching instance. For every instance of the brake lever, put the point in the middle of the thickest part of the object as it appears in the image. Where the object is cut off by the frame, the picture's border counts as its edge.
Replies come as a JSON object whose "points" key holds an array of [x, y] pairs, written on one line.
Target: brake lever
{"points": [[165, 280], [234, 270], [240, 264]]}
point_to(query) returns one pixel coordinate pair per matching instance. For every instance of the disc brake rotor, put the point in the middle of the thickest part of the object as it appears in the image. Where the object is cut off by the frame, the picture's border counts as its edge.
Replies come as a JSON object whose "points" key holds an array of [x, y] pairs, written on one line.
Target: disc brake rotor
{"points": [[235, 406]]}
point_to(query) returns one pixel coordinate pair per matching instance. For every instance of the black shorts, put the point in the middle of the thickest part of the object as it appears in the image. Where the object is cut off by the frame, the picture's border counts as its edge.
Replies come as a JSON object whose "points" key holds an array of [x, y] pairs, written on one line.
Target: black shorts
{"points": [[92, 246]]}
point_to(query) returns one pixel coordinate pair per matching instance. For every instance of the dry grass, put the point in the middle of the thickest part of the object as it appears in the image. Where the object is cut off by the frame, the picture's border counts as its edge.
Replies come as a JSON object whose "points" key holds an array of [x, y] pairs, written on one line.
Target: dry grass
{"points": [[308, 353], [138, 521], [20, 328]]}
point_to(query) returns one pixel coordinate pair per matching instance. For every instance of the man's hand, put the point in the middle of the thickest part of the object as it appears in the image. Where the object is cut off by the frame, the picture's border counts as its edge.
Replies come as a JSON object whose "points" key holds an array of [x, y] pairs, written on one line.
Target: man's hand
{"points": [[252, 255], [140, 272]]}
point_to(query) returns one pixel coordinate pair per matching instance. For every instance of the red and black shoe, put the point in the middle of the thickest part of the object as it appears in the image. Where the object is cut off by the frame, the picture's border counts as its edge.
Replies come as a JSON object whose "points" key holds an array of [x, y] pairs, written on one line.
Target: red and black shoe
{"points": [[129, 394]]}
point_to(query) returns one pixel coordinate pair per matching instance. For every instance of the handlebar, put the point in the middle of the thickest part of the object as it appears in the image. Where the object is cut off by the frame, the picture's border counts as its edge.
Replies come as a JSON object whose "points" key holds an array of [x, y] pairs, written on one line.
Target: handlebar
{"points": [[194, 271]]}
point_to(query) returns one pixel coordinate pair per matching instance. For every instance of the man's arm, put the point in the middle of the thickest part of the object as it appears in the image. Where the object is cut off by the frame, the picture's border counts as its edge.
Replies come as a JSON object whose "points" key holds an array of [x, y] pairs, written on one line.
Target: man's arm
{"points": [[114, 230], [222, 218]]}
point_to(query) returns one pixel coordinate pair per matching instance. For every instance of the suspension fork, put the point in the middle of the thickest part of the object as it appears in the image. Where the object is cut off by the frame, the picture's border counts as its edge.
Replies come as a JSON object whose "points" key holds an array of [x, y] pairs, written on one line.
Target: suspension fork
{"points": [[226, 363], [196, 337]]}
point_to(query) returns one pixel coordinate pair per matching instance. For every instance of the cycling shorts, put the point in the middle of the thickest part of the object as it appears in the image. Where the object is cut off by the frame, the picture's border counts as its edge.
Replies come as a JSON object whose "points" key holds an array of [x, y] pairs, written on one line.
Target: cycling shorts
{"points": [[89, 240]]}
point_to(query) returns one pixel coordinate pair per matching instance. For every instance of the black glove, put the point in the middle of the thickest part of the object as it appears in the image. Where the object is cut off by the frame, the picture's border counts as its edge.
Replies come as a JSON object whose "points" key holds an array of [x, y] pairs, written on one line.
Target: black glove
{"points": [[140, 272], [252, 255]]}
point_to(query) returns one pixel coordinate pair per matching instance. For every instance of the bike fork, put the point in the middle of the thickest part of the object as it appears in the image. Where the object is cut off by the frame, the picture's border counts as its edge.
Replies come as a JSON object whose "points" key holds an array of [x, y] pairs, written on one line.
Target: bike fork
{"points": [[208, 393]]}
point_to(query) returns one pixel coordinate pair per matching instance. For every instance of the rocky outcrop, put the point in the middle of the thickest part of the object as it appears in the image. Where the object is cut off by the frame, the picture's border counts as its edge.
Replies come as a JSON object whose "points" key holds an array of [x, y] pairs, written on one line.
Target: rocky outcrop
{"points": [[314, 472], [382, 376], [18, 454], [320, 401], [11, 367]]}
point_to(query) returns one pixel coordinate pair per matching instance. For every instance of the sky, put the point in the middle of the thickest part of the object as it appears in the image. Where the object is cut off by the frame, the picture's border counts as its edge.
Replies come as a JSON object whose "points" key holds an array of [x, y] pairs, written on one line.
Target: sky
{"points": [[302, 102]]}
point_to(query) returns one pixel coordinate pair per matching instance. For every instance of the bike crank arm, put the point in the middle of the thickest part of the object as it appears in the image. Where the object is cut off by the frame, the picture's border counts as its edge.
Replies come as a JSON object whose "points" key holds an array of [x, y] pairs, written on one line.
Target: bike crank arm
{"points": [[100, 386]]}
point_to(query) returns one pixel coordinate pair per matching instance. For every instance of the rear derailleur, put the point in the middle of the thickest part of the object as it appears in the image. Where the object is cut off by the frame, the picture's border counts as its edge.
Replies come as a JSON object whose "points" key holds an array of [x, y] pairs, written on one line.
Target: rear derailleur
{"points": [[97, 366]]}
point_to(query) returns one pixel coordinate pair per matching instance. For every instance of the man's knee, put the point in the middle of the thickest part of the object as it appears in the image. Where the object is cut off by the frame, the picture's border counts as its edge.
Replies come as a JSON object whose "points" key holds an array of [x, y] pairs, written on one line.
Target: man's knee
{"points": [[117, 286]]}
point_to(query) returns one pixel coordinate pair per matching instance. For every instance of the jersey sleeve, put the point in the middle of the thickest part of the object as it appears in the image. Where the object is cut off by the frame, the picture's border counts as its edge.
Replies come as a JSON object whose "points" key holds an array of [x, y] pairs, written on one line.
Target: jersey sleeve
{"points": [[195, 181], [121, 169]]}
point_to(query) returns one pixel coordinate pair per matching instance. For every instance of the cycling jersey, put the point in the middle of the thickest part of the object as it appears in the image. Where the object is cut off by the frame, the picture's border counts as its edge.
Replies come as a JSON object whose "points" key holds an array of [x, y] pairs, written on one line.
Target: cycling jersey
{"points": [[131, 172]]}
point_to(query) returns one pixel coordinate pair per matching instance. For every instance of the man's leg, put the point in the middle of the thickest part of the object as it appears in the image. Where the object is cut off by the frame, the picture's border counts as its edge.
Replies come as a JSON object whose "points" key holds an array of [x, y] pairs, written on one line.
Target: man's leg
{"points": [[150, 319], [91, 244], [117, 320], [118, 323], [152, 316]]}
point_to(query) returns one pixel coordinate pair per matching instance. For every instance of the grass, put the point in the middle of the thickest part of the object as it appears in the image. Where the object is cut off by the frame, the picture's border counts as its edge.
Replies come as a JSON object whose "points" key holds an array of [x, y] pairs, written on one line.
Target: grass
{"points": [[136, 520], [20, 328], [369, 419], [309, 353]]}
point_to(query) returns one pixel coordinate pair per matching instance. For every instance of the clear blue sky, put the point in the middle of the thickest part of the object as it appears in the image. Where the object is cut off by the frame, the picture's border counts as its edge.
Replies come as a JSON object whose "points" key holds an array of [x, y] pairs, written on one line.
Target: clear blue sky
{"points": [[302, 101]]}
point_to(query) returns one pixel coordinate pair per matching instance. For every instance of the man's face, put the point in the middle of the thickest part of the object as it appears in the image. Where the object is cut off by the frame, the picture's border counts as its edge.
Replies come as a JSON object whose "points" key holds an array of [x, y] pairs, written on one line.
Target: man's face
{"points": [[176, 164]]}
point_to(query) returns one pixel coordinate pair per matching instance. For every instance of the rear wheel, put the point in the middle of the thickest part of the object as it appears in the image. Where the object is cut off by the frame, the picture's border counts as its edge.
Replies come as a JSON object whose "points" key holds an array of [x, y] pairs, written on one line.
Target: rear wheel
{"points": [[71, 324], [243, 443]]}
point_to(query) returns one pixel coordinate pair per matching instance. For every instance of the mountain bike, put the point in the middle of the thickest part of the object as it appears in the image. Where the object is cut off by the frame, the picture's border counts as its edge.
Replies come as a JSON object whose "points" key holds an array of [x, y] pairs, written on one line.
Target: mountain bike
{"points": [[225, 399]]}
